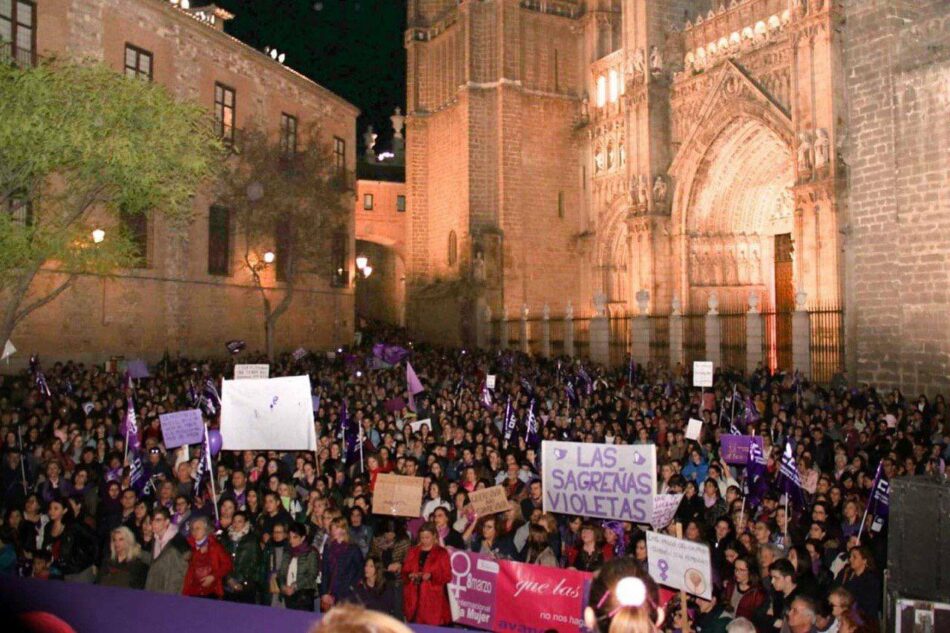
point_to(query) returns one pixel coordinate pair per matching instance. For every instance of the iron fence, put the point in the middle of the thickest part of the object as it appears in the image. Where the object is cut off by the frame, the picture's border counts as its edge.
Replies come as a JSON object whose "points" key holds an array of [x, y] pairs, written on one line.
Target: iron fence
{"points": [[620, 340], [694, 338], [582, 337], [827, 342], [732, 340], [660, 339]]}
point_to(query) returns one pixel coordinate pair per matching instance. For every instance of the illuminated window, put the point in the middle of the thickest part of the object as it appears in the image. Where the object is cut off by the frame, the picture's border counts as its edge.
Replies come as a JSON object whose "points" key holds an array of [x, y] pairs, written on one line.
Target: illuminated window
{"points": [[368, 201], [614, 86], [601, 91], [224, 102]]}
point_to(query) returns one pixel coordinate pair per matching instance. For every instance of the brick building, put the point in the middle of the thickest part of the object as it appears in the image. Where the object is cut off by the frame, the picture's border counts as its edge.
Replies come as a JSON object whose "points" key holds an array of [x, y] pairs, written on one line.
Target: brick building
{"points": [[193, 293], [572, 156]]}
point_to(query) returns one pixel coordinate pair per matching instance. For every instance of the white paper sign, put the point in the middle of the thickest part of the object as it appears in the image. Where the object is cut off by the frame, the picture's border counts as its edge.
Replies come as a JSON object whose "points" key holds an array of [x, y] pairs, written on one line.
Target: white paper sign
{"points": [[599, 480], [299, 353], [242, 372], [8, 350], [267, 414], [693, 429], [421, 423], [664, 509], [702, 373], [490, 381], [681, 564]]}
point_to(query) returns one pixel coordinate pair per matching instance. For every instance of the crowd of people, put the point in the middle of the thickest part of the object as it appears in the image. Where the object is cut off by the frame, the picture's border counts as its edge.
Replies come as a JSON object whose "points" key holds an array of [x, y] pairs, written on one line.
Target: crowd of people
{"points": [[291, 531]]}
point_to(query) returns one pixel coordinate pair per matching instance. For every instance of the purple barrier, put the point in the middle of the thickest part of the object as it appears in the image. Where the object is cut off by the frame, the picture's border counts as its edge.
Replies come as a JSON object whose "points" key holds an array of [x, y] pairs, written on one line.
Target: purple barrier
{"points": [[94, 609]]}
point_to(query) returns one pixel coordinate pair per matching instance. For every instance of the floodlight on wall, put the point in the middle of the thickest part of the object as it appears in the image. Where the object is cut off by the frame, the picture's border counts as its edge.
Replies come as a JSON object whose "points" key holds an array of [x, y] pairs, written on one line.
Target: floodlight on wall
{"points": [[269, 257], [361, 262], [98, 235], [367, 271]]}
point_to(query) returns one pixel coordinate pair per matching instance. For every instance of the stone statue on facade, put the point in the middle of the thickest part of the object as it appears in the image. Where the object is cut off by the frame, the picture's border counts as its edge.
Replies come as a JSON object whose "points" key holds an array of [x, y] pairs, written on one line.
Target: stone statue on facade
{"points": [[585, 108], [656, 60], [754, 302], [804, 154], [659, 190], [600, 304], [369, 140], [643, 191], [478, 267], [398, 120], [822, 148], [569, 311], [638, 63]]}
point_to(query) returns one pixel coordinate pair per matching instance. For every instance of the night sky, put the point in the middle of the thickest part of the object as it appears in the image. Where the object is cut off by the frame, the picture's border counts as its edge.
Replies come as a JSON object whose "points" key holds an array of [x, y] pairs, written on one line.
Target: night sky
{"points": [[353, 47]]}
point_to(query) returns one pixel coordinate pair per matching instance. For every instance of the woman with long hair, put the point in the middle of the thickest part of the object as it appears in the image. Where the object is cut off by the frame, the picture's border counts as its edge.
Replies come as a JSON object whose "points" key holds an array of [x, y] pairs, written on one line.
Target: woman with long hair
{"points": [[297, 578], [862, 579], [743, 594], [538, 551], [342, 566], [70, 543], [124, 567], [375, 591], [589, 554]]}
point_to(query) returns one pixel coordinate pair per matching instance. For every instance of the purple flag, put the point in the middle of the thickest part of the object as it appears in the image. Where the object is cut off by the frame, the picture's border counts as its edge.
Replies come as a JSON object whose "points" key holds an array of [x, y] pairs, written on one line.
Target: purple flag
{"points": [[585, 378], [390, 354], [510, 421], [756, 481], [880, 494], [531, 431], [789, 472], [204, 467], [485, 398], [571, 393], [350, 436], [413, 381]]}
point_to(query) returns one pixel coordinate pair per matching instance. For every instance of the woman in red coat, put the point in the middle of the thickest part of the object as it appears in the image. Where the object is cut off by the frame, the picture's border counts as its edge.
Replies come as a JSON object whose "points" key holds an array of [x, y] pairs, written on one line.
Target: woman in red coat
{"points": [[426, 572], [209, 563]]}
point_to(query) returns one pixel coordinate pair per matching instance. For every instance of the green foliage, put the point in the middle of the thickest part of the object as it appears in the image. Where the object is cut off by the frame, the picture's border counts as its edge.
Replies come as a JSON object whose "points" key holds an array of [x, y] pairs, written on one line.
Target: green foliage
{"points": [[83, 142]]}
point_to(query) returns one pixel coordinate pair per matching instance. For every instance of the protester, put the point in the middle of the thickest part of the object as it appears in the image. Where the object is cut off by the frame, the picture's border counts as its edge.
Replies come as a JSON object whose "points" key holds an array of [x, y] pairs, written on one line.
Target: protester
{"points": [[66, 473], [297, 577], [124, 567], [425, 575], [209, 563], [376, 591], [623, 599]]}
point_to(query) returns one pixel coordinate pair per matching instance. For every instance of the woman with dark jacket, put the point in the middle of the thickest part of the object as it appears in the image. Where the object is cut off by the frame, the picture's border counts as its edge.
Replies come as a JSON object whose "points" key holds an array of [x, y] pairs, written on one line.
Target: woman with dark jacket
{"points": [[376, 591], [743, 594], [124, 567], [240, 541], [71, 544], [425, 575], [342, 566], [448, 536], [691, 508], [297, 578], [486, 540]]}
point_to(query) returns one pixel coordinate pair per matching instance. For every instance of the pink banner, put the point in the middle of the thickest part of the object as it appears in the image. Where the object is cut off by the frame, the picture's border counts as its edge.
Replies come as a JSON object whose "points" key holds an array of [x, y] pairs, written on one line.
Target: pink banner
{"points": [[535, 598]]}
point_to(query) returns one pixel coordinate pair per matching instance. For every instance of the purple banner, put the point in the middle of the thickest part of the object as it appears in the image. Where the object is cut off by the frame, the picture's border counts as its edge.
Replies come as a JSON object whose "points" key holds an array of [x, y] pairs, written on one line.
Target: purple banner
{"points": [[734, 449], [182, 427], [137, 368], [91, 608], [472, 590]]}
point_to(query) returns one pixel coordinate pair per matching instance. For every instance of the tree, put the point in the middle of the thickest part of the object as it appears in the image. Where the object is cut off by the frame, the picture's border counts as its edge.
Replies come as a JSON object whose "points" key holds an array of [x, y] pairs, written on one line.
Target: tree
{"points": [[288, 201], [81, 148]]}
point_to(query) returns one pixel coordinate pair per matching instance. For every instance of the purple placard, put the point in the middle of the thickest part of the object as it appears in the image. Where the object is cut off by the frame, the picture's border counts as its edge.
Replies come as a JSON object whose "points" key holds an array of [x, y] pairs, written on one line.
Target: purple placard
{"points": [[734, 449], [395, 404], [137, 368], [472, 590], [182, 427]]}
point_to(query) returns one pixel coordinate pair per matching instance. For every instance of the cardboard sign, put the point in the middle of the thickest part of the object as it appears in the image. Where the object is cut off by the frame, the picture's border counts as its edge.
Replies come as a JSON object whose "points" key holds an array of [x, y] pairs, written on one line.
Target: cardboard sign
{"points": [[421, 423], [599, 480], [243, 372], [397, 495], [702, 373], [182, 427], [694, 428], [490, 381], [268, 414], [137, 368], [472, 590], [489, 500], [664, 509], [681, 564], [734, 449]]}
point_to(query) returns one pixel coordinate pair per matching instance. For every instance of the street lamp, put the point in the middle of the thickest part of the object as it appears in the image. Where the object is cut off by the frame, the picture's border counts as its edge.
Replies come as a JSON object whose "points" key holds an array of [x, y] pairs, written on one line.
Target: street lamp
{"points": [[98, 235], [269, 257], [367, 271], [361, 262]]}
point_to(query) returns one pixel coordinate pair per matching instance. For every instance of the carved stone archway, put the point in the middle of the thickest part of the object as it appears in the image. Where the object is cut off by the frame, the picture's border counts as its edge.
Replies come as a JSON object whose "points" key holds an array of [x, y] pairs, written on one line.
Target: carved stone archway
{"points": [[614, 254]]}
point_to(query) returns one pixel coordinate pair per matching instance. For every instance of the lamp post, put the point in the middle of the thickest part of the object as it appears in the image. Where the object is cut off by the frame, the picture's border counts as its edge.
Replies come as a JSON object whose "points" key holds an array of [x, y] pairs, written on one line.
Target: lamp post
{"points": [[98, 235]]}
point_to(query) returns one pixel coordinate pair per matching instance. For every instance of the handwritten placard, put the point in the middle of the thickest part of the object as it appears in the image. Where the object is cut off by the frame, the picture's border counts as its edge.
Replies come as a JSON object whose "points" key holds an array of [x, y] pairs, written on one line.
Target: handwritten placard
{"points": [[268, 414], [681, 564], [397, 495], [182, 427], [490, 381], [416, 426], [694, 428], [243, 372], [599, 480], [664, 509], [702, 373], [489, 500]]}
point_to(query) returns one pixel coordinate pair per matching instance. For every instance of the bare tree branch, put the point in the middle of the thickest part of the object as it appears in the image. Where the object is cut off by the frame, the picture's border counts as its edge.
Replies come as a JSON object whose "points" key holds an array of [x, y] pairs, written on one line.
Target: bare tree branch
{"points": [[36, 305]]}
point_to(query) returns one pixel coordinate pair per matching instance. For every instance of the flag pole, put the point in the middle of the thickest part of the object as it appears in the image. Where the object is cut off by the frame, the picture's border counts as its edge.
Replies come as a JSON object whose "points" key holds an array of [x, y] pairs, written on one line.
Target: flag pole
{"points": [[19, 434], [787, 519], [684, 613], [211, 475]]}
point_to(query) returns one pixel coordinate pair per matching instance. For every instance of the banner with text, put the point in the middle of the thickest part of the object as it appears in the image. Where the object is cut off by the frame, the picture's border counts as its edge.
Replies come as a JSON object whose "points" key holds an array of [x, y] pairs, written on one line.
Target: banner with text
{"points": [[508, 596], [734, 449], [182, 427], [242, 372], [600, 480]]}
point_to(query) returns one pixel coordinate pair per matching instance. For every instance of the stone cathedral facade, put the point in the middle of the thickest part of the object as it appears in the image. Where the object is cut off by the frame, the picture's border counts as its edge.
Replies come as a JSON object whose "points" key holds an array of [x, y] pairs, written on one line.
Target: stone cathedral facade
{"points": [[608, 156]]}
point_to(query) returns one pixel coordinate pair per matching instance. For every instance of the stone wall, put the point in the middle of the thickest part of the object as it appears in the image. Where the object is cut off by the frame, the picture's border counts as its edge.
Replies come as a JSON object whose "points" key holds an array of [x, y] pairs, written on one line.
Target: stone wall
{"points": [[173, 304], [897, 55]]}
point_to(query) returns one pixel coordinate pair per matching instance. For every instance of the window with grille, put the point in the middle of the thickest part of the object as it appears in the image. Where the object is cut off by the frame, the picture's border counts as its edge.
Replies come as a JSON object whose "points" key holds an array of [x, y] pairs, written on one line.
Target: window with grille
{"points": [[138, 63], [288, 134], [20, 209], [401, 203], [18, 31], [219, 241], [224, 106], [339, 155]]}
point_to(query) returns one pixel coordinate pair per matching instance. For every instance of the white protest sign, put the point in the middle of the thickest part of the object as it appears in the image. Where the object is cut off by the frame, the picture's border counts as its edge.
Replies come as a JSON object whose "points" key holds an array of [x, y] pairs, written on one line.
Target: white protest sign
{"points": [[8, 350], [599, 480], [702, 373], [299, 353], [242, 372], [421, 423], [664, 509], [490, 381], [681, 564], [267, 414], [693, 429], [182, 428]]}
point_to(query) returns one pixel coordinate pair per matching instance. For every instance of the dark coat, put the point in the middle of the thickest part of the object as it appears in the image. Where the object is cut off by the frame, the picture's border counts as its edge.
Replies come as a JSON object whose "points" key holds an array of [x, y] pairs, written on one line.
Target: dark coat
{"points": [[342, 570], [130, 574], [246, 559], [377, 598]]}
